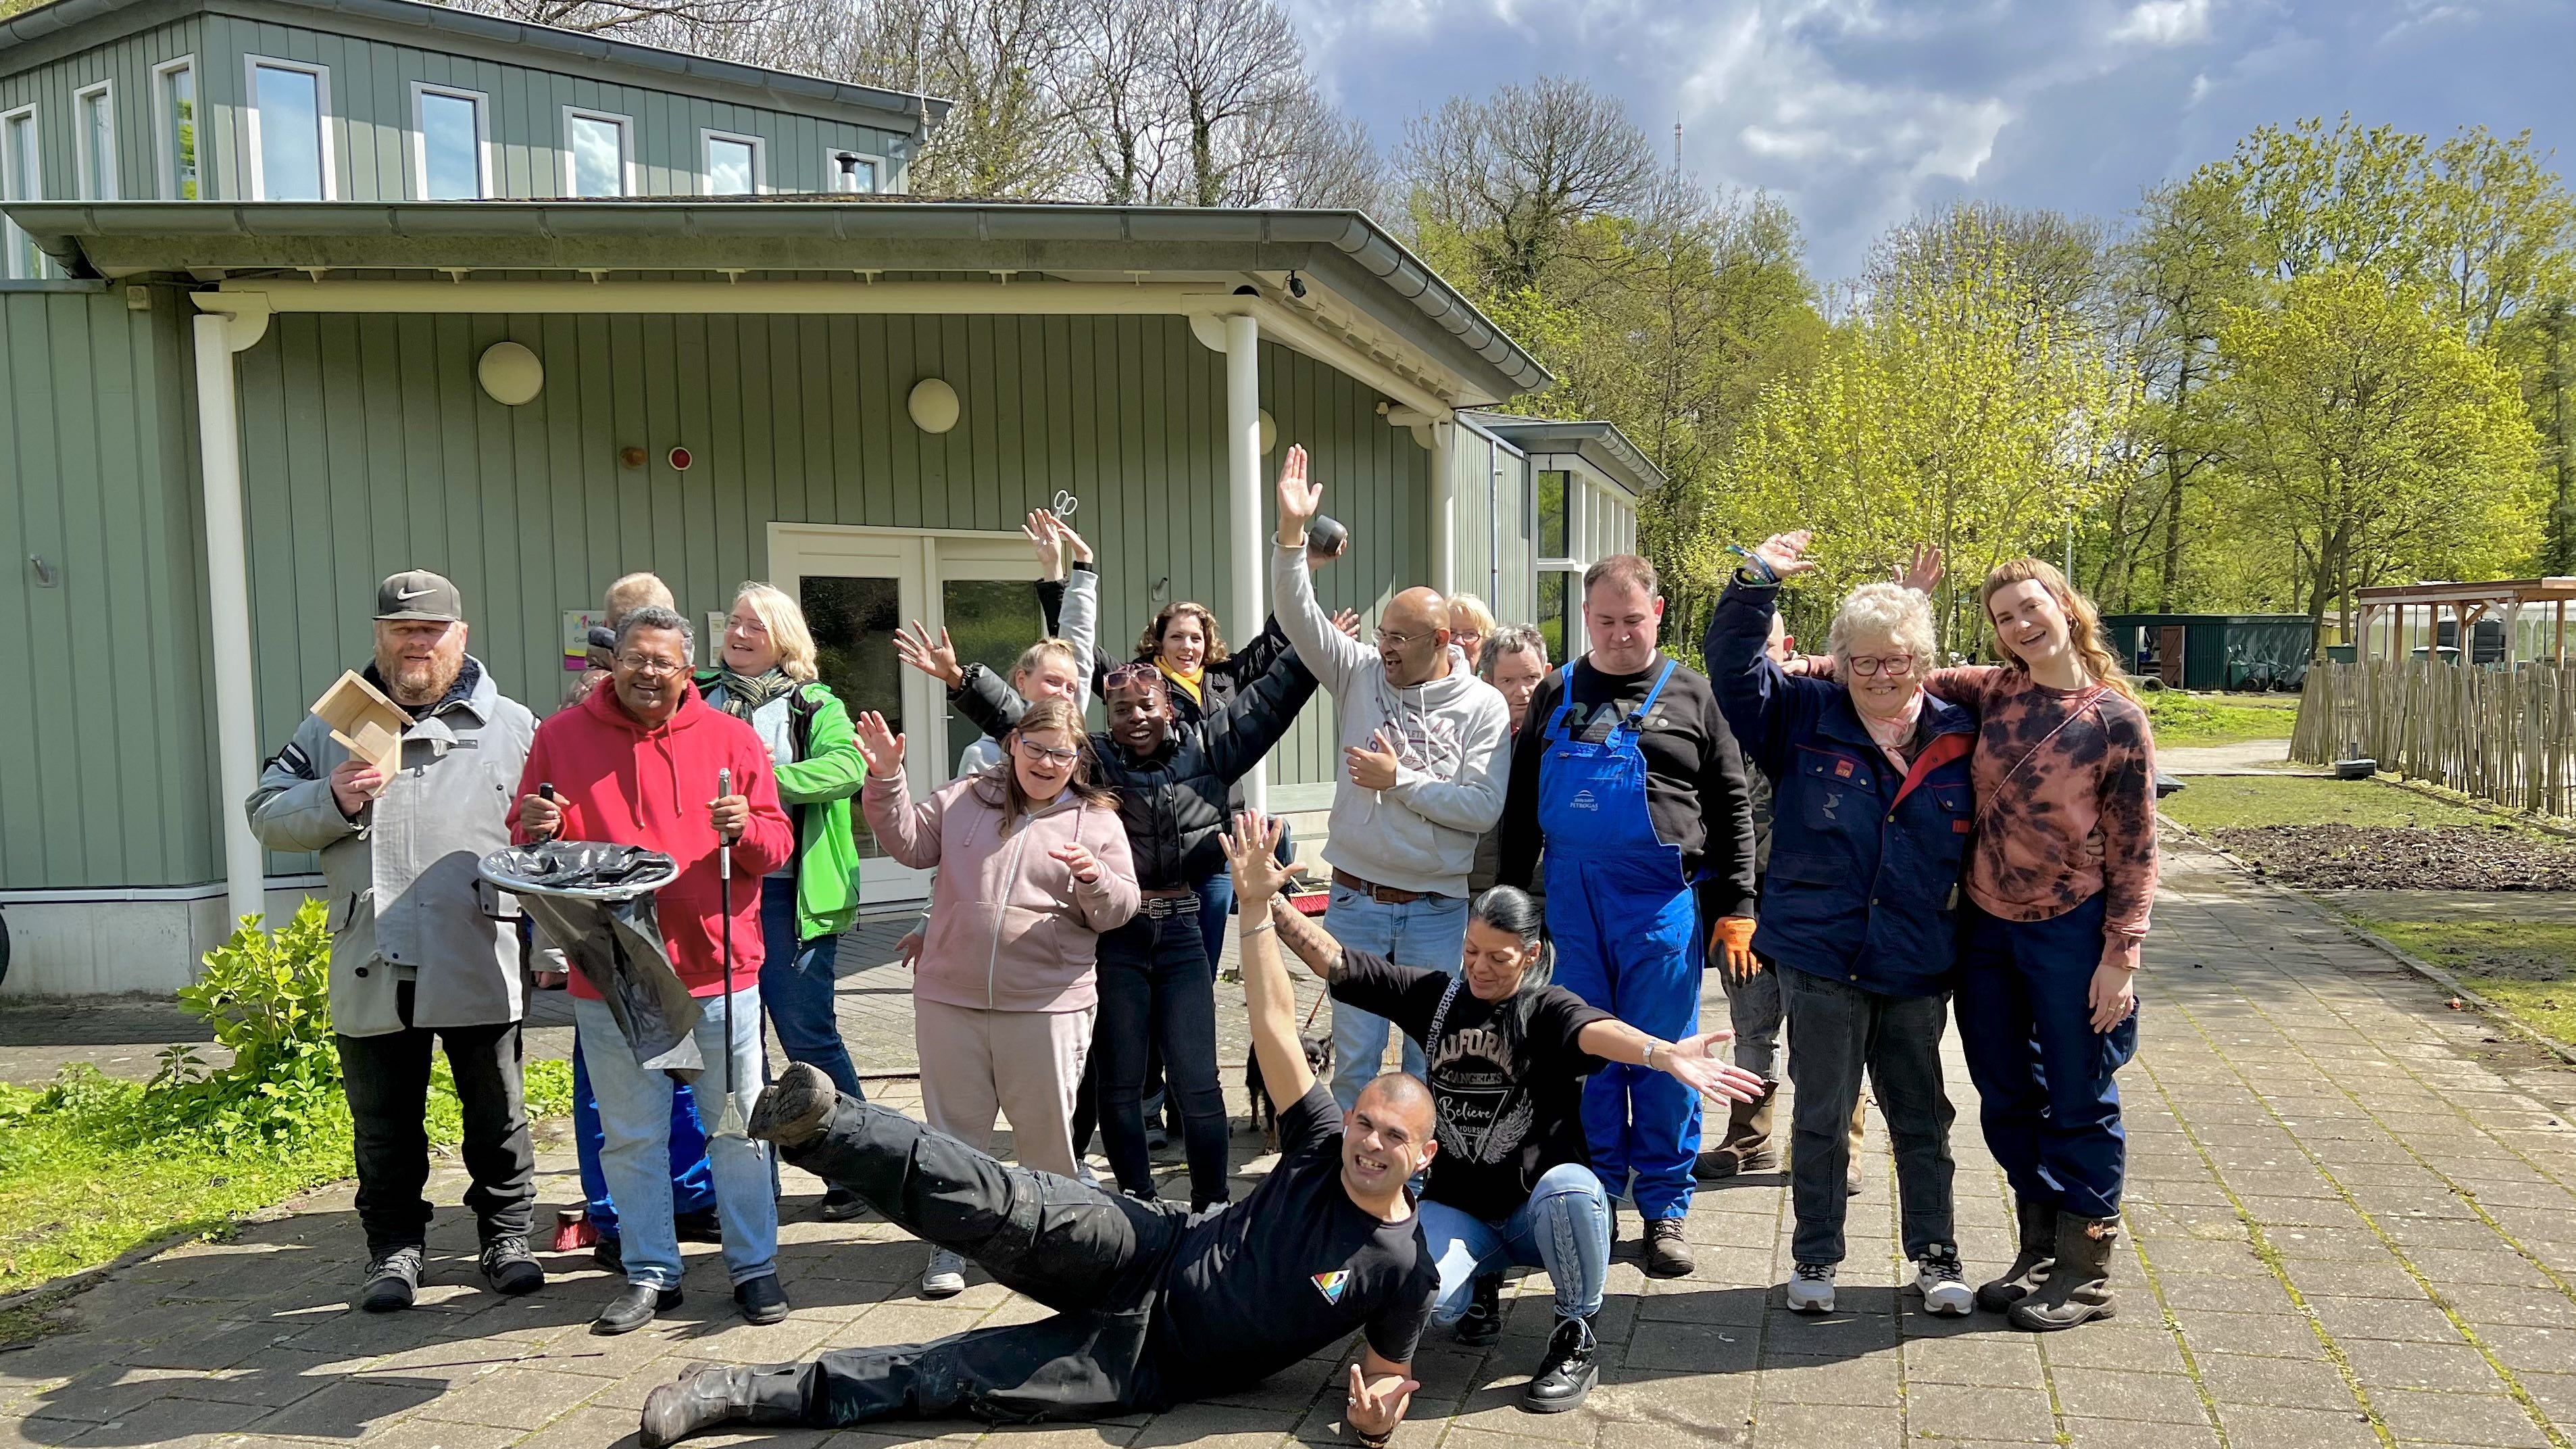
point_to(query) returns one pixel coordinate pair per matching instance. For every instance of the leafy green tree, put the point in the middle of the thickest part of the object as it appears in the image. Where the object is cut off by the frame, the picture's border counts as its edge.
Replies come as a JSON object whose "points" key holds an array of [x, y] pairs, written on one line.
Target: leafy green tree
{"points": [[2376, 443]]}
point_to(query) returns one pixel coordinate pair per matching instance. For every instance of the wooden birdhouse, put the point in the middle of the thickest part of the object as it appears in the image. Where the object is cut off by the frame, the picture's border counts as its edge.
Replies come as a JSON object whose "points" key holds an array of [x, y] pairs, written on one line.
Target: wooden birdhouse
{"points": [[365, 722]]}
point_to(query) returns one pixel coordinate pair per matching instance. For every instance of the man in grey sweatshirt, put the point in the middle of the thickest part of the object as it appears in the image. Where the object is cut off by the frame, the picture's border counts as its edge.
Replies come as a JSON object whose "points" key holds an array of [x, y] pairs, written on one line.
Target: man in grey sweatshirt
{"points": [[1423, 772]]}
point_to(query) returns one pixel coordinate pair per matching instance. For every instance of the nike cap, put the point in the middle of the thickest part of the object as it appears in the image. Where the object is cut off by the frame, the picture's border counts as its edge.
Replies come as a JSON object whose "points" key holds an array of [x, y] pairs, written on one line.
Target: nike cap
{"points": [[418, 594]]}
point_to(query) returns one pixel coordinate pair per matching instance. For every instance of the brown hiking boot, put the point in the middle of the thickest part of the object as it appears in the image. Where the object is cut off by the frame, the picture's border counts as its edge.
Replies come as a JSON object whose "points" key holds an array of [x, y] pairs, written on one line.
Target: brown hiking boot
{"points": [[1747, 1144]]}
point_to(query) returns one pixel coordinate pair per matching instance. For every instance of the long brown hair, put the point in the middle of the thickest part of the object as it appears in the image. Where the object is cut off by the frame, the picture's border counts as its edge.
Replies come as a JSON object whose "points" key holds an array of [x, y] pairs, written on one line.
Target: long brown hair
{"points": [[2083, 621], [1051, 713], [1149, 645]]}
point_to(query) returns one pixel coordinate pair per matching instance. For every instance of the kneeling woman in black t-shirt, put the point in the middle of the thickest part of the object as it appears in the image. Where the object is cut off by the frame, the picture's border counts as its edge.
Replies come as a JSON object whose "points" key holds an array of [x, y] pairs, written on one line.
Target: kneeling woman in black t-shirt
{"points": [[1512, 1184]]}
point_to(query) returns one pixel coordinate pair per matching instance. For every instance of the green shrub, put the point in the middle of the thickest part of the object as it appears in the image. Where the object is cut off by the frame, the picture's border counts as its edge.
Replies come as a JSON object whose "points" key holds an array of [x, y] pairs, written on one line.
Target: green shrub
{"points": [[267, 996]]}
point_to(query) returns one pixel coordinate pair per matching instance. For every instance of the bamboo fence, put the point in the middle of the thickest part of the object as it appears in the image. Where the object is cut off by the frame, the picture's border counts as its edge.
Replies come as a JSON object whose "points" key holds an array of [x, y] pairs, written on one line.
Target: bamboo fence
{"points": [[2500, 735]]}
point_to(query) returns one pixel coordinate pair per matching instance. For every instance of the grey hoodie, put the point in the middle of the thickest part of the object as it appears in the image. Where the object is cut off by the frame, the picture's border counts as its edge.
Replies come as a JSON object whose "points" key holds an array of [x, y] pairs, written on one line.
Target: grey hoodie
{"points": [[1455, 731]]}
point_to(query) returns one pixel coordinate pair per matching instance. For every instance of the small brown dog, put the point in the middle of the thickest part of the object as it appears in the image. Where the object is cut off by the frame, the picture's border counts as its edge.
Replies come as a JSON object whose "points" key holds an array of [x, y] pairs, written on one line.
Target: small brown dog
{"points": [[1265, 1112]]}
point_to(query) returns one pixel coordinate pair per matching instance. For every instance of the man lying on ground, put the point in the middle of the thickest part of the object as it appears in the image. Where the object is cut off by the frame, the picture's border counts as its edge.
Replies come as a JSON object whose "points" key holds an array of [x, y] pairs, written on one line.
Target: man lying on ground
{"points": [[1152, 1308]]}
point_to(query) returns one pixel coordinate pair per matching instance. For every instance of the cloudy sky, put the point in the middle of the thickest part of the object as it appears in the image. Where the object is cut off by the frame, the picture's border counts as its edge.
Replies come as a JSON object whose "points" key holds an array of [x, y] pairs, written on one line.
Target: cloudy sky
{"points": [[1862, 112]]}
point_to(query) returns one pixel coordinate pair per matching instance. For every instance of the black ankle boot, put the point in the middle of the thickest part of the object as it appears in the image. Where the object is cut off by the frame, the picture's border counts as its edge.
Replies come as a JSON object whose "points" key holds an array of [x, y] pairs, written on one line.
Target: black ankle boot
{"points": [[711, 1394], [793, 1110], [1566, 1376], [1484, 1321]]}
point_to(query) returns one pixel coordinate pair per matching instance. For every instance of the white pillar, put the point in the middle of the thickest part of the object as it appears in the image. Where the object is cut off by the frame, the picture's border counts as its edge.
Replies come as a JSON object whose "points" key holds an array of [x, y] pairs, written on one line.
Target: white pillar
{"points": [[1243, 472], [228, 608], [1444, 509]]}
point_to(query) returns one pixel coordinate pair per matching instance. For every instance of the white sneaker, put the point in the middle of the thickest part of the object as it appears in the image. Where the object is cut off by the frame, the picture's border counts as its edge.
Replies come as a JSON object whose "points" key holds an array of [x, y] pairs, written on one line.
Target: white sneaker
{"points": [[1943, 1283], [945, 1277], [1811, 1288]]}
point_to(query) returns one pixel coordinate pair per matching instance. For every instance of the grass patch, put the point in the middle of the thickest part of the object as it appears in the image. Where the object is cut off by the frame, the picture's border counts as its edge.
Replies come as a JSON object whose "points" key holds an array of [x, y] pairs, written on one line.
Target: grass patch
{"points": [[2220, 802], [2183, 719], [84, 1179], [2526, 967]]}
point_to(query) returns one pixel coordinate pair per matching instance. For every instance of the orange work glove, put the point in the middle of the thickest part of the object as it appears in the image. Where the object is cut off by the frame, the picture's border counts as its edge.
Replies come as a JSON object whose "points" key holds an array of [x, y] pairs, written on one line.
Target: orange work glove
{"points": [[1730, 946]]}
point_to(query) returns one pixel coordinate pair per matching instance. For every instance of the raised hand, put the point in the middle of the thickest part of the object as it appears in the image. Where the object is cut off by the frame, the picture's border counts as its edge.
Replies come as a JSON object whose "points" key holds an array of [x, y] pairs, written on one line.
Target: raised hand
{"points": [[1923, 571], [1040, 531], [1693, 1062], [1085, 866], [1252, 853], [1299, 500], [912, 645], [1786, 553], [1348, 621], [1376, 1408], [1373, 766], [1072, 541], [879, 745]]}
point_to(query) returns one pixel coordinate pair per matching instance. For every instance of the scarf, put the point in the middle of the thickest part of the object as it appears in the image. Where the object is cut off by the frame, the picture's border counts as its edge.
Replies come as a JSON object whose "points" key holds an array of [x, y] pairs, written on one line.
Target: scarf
{"points": [[744, 695], [1189, 683], [1893, 735]]}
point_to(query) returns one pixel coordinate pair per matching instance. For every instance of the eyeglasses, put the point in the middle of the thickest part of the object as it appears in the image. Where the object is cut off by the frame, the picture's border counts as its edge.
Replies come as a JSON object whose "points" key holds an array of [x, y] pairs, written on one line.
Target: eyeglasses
{"points": [[1464, 637], [1389, 639], [1126, 674], [1891, 664], [1038, 753], [646, 664]]}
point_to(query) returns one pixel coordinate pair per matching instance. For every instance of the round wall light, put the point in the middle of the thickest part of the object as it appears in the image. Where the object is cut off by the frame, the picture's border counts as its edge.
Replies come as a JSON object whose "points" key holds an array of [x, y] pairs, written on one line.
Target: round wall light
{"points": [[680, 460], [510, 374], [933, 405], [1269, 432]]}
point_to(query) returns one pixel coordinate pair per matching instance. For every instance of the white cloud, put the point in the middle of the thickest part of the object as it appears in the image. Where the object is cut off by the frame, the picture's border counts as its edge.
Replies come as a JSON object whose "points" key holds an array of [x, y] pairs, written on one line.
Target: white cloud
{"points": [[2165, 22]]}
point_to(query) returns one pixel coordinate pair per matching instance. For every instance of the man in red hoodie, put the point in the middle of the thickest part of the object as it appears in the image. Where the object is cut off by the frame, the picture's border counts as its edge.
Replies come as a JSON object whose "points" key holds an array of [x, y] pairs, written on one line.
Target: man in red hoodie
{"points": [[637, 763]]}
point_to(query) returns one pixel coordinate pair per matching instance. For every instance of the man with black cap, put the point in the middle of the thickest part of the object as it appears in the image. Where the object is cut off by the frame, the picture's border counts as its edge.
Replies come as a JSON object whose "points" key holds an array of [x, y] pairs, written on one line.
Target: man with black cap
{"points": [[415, 951]]}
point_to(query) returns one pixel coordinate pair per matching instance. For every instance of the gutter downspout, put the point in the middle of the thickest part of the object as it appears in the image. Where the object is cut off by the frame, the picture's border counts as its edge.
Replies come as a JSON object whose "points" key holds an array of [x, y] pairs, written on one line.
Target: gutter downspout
{"points": [[1444, 508], [1243, 470], [230, 325]]}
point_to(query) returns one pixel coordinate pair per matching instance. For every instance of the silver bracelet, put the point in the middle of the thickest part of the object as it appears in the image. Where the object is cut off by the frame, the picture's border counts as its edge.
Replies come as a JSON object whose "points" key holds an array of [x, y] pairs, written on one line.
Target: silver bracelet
{"points": [[1267, 924]]}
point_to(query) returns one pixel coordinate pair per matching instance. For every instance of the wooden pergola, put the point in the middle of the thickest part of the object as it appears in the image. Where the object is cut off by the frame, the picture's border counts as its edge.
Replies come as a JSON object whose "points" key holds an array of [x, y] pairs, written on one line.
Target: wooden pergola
{"points": [[2468, 603]]}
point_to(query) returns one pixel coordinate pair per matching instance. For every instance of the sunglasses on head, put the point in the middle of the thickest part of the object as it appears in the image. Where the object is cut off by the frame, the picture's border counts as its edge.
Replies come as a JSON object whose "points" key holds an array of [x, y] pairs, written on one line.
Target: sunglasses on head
{"points": [[1132, 674]]}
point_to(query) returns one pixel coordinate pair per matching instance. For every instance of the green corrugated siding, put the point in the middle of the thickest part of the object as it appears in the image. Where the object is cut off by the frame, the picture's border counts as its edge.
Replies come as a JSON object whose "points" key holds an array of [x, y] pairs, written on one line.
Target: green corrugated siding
{"points": [[368, 447], [109, 730], [1495, 561], [126, 64]]}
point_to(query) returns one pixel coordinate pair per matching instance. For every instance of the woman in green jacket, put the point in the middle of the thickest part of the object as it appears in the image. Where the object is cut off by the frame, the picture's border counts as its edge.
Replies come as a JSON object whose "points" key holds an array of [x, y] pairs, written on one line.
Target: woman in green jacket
{"points": [[767, 681]]}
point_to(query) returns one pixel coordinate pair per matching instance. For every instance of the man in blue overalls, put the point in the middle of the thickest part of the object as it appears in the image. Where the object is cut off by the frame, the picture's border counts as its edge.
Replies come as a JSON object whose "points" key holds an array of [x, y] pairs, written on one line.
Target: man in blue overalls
{"points": [[1628, 782]]}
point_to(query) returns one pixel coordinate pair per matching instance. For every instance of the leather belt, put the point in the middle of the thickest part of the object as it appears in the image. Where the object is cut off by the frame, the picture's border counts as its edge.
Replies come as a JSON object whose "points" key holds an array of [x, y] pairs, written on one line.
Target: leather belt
{"points": [[1165, 902], [1383, 895]]}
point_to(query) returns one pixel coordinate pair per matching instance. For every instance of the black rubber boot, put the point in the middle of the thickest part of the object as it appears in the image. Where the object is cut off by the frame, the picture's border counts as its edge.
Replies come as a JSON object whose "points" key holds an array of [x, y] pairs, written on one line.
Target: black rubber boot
{"points": [[1566, 1376], [710, 1394], [2030, 1266], [2079, 1282], [1484, 1321], [1747, 1145]]}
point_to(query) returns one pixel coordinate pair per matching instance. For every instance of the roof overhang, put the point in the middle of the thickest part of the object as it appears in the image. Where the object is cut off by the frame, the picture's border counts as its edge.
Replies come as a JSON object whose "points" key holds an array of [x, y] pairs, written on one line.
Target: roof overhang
{"points": [[1329, 283], [1599, 444], [2493, 591], [47, 31]]}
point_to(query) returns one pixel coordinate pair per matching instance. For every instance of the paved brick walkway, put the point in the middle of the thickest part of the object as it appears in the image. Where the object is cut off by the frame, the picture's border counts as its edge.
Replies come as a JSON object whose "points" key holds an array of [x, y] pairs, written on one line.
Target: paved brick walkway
{"points": [[2351, 1224]]}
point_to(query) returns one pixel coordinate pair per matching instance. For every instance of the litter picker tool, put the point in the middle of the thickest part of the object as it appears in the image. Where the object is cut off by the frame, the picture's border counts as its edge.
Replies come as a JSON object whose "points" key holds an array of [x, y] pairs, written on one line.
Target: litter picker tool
{"points": [[729, 1122]]}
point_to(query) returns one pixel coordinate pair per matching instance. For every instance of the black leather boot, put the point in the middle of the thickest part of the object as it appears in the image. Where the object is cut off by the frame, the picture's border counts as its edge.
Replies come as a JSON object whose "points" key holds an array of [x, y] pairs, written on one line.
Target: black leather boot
{"points": [[2030, 1266], [1484, 1321], [1566, 1376], [2079, 1282], [710, 1394]]}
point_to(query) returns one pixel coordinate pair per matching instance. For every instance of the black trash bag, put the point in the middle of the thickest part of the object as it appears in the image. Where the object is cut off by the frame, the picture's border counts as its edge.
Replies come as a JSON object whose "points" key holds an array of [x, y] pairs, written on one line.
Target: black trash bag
{"points": [[595, 903]]}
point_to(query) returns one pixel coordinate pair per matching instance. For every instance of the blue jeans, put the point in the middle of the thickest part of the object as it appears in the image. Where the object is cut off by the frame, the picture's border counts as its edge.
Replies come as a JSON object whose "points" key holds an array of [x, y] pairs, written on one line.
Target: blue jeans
{"points": [[1429, 933], [1155, 988], [796, 988], [1564, 1228], [2046, 1080], [1216, 912], [693, 1189], [635, 1122]]}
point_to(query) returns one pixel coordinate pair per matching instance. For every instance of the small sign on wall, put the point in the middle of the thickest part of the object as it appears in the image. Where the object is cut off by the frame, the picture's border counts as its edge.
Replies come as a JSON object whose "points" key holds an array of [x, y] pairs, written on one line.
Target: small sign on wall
{"points": [[576, 637]]}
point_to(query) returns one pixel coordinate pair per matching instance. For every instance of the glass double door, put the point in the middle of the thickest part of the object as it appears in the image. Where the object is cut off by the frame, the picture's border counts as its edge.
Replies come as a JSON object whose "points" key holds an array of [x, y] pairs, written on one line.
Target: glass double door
{"points": [[857, 587]]}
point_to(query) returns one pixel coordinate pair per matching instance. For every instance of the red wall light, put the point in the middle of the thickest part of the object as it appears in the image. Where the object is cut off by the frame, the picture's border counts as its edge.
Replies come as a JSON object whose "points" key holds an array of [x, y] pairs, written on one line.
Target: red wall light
{"points": [[680, 460]]}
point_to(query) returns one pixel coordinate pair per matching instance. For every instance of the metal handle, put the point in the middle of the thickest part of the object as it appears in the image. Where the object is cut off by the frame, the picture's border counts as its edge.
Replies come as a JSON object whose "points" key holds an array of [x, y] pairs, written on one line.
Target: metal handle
{"points": [[724, 845]]}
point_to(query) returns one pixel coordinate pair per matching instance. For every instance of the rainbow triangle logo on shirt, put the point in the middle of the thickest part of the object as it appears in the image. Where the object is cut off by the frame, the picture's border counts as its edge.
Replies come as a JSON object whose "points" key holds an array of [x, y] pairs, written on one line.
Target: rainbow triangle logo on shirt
{"points": [[1331, 1284]]}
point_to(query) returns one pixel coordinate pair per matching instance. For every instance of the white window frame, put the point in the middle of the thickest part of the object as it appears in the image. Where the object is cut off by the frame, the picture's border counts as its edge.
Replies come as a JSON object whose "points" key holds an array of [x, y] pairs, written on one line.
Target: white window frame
{"points": [[625, 149], [165, 126], [252, 164], [10, 236], [105, 90], [832, 170], [708, 136], [420, 137]]}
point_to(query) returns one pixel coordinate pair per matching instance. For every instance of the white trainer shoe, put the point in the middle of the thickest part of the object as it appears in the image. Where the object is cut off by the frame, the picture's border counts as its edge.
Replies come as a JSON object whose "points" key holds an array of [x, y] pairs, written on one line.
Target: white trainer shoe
{"points": [[1944, 1283], [1811, 1288], [945, 1277]]}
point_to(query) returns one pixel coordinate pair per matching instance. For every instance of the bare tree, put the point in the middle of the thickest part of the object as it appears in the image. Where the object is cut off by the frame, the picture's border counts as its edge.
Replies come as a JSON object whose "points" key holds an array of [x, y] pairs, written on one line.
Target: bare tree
{"points": [[1231, 63], [1519, 172]]}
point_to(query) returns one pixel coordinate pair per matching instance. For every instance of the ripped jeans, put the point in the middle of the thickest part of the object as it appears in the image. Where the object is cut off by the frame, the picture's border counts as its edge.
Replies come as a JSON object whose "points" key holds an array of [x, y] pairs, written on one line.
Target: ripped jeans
{"points": [[1564, 1228]]}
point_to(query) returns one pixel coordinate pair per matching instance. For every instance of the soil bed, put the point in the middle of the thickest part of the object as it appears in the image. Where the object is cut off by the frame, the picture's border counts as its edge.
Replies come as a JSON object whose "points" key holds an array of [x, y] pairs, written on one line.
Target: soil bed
{"points": [[2372, 857]]}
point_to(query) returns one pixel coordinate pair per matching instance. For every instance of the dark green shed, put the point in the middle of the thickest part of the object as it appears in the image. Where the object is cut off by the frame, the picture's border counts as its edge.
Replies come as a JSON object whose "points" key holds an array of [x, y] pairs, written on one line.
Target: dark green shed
{"points": [[2215, 651]]}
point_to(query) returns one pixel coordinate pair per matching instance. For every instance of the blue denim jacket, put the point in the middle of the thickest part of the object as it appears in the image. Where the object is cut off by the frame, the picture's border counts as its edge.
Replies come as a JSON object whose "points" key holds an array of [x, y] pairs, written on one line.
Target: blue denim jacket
{"points": [[1864, 876]]}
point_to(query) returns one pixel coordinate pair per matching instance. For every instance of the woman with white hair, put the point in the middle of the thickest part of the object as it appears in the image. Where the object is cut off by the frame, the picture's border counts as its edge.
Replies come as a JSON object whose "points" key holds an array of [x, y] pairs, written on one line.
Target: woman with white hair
{"points": [[766, 678], [1870, 817]]}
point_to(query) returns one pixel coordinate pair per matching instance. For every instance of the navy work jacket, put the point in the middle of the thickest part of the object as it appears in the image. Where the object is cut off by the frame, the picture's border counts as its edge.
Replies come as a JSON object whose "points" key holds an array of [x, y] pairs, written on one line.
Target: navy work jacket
{"points": [[1863, 885]]}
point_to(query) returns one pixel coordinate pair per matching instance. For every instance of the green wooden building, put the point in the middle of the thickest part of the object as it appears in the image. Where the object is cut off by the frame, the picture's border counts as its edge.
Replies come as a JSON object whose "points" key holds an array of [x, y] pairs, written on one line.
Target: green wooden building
{"points": [[301, 292]]}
